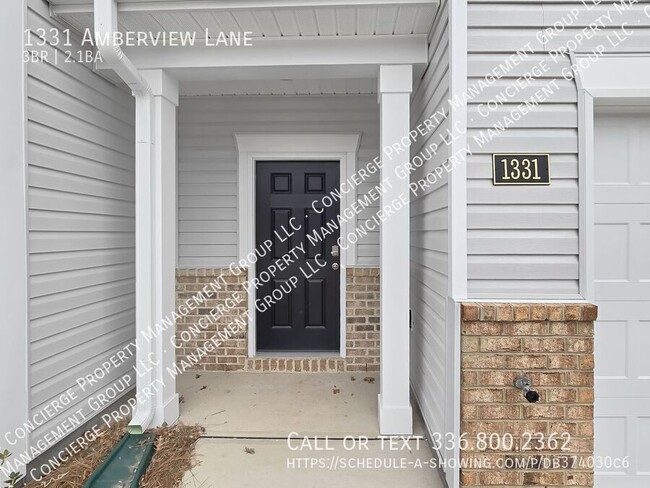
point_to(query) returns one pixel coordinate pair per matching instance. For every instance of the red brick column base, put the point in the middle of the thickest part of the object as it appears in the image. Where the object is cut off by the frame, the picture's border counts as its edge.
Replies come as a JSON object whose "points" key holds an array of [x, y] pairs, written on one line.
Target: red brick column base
{"points": [[552, 440]]}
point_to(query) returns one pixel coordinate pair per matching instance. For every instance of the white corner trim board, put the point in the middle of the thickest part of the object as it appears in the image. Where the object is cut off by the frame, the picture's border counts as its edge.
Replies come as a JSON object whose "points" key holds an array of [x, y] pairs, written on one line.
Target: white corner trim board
{"points": [[457, 225], [290, 147], [14, 294]]}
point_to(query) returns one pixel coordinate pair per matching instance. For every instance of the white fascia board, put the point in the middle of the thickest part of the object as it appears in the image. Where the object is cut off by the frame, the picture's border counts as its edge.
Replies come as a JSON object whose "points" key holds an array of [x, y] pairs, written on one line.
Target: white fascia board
{"points": [[151, 6], [303, 51]]}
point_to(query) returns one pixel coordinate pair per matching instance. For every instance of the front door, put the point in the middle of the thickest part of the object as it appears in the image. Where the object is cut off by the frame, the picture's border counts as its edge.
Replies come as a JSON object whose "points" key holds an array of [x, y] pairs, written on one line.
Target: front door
{"points": [[298, 288]]}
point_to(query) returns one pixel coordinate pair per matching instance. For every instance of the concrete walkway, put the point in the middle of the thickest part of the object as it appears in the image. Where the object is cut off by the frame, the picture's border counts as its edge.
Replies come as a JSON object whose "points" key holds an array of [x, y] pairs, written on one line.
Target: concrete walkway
{"points": [[279, 430]]}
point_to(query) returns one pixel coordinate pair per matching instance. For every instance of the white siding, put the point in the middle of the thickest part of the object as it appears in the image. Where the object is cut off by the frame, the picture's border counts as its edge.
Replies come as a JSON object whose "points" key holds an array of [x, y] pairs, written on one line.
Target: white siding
{"points": [[522, 241], [81, 225], [207, 162], [429, 230]]}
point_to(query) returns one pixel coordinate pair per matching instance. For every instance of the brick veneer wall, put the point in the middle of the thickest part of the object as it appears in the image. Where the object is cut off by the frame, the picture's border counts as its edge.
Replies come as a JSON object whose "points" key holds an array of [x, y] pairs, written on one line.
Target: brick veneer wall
{"points": [[231, 356], [553, 345], [362, 335]]}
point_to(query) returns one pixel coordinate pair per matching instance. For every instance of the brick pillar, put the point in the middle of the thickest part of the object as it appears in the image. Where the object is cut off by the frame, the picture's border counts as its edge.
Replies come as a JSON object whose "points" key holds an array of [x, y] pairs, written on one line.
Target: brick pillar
{"points": [[553, 345]]}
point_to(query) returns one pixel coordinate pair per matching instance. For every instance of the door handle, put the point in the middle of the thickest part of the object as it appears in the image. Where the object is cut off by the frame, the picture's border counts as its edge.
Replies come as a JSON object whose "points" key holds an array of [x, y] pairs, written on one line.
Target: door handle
{"points": [[335, 266], [335, 251]]}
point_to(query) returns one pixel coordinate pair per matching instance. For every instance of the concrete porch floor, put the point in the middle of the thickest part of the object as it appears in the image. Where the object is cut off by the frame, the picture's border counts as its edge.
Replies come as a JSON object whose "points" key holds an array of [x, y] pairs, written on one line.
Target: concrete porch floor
{"points": [[249, 416]]}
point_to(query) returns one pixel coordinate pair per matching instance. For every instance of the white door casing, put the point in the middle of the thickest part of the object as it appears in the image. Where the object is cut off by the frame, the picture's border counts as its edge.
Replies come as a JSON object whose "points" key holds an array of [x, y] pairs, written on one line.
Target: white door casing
{"points": [[290, 147], [621, 289]]}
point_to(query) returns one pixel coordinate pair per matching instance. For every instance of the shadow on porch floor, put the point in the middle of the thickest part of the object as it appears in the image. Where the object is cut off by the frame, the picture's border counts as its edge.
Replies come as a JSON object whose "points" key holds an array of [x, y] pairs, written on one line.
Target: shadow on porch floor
{"points": [[248, 417]]}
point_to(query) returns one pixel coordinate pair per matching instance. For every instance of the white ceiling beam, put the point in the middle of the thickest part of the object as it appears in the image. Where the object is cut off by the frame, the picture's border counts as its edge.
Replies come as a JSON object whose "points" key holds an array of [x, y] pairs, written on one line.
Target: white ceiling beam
{"points": [[62, 7], [300, 51]]}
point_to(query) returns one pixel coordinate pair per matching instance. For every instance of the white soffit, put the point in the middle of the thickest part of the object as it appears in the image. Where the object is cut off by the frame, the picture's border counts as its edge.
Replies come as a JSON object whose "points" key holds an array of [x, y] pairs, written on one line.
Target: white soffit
{"points": [[279, 18]]}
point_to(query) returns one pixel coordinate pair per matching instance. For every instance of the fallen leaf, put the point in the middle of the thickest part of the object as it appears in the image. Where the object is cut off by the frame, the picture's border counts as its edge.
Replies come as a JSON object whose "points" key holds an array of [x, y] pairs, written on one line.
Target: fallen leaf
{"points": [[249, 450], [336, 390], [352, 378], [205, 387], [369, 379], [197, 376]]}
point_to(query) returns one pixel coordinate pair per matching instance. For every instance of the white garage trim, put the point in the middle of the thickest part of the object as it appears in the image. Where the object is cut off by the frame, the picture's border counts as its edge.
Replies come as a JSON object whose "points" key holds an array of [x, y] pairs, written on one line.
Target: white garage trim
{"points": [[621, 394], [610, 80], [296, 147]]}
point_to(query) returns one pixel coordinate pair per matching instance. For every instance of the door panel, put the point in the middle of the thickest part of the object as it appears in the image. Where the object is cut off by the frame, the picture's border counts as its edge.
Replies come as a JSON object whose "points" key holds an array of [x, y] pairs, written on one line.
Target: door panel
{"points": [[622, 293], [298, 296]]}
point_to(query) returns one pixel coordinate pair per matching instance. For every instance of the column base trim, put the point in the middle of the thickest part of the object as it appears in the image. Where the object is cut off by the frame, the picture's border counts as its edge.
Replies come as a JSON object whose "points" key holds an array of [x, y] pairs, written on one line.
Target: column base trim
{"points": [[170, 412], [395, 420]]}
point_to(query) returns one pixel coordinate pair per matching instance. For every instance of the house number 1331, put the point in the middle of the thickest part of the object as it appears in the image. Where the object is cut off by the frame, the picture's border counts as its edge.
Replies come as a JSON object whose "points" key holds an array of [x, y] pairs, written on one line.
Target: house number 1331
{"points": [[520, 169]]}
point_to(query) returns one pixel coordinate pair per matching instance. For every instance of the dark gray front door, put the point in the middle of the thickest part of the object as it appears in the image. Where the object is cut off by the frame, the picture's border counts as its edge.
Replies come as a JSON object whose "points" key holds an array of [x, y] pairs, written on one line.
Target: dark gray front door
{"points": [[298, 298]]}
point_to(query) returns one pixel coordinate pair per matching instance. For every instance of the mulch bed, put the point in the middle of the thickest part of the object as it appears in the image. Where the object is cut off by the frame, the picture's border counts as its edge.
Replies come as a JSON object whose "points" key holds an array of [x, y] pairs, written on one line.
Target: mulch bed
{"points": [[173, 456]]}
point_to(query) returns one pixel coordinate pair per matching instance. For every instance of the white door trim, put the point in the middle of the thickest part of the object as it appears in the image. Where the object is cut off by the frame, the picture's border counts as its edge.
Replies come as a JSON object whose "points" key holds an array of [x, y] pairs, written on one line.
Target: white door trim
{"points": [[296, 147]]}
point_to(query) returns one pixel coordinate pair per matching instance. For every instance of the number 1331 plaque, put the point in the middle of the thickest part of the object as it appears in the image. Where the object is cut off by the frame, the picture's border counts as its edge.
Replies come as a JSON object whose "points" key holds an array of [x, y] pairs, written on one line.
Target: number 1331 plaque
{"points": [[521, 169]]}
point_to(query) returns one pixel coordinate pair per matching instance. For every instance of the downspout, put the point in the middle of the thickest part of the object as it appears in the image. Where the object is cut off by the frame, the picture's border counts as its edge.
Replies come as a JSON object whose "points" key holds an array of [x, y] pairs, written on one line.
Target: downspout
{"points": [[105, 17]]}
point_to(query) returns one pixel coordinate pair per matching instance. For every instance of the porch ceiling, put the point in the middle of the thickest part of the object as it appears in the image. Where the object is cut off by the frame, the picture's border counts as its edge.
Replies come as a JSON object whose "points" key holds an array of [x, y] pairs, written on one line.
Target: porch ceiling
{"points": [[300, 47], [264, 18]]}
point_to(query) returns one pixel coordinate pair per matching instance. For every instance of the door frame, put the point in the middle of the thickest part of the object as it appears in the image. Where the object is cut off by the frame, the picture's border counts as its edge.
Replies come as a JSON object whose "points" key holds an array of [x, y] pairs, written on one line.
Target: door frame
{"points": [[292, 147]]}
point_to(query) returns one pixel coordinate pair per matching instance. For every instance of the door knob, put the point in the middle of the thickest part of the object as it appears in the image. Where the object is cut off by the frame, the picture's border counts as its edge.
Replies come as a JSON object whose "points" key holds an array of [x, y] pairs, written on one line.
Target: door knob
{"points": [[335, 266]]}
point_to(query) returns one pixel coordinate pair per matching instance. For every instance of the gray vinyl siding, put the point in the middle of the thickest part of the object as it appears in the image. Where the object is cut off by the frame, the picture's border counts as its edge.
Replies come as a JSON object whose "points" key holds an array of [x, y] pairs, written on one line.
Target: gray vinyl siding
{"points": [[429, 237], [522, 241], [81, 226], [207, 162]]}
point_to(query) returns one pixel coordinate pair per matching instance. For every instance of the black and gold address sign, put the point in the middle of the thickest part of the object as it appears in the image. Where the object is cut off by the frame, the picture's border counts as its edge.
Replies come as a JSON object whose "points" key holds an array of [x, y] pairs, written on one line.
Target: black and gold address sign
{"points": [[521, 169]]}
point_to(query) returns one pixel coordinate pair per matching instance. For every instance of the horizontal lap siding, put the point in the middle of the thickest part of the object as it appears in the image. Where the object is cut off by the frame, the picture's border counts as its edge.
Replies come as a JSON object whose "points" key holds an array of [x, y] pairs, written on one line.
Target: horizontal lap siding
{"points": [[81, 197], [207, 162], [429, 237], [523, 241]]}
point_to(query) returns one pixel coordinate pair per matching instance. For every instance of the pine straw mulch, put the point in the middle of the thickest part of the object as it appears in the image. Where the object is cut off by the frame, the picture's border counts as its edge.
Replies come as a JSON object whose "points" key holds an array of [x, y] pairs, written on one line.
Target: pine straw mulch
{"points": [[173, 456]]}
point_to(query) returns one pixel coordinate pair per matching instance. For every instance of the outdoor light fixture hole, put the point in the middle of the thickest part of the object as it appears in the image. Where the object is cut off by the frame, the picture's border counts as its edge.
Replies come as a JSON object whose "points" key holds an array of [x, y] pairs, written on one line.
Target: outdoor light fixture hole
{"points": [[523, 383]]}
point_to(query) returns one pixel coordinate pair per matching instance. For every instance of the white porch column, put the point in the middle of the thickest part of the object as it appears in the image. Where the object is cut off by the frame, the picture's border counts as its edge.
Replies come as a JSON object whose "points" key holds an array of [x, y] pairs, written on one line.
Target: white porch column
{"points": [[165, 92], [395, 415]]}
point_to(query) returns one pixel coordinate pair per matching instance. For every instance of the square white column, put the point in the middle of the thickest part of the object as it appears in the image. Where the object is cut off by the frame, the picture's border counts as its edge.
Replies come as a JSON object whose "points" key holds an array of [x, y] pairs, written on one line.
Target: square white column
{"points": [[165, 93], [395, 414]]}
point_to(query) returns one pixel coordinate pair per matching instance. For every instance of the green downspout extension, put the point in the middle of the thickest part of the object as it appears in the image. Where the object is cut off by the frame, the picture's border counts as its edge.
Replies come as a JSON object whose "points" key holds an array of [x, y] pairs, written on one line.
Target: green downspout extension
{"points": [[126, 463]]}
